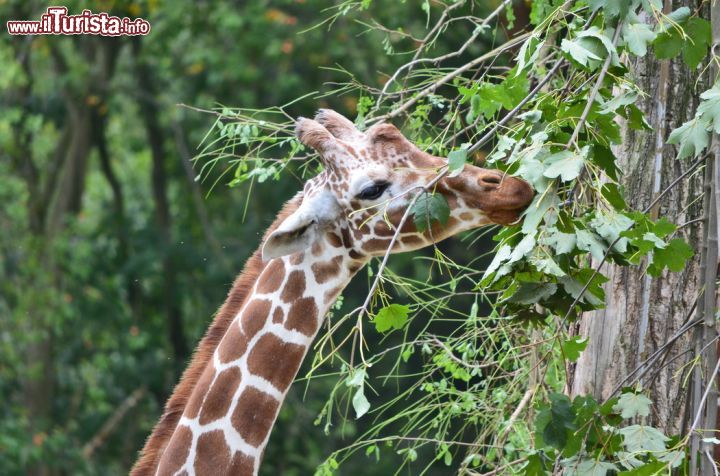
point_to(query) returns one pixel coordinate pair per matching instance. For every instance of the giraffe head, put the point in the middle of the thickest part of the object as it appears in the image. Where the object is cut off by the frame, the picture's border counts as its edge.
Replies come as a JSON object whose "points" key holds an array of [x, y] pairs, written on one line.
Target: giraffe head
{"points": [[370, 179]]}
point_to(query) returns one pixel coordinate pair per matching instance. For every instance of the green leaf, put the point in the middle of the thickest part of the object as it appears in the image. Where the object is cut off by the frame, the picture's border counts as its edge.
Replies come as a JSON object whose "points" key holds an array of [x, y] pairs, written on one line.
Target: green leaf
{"points": [[513, 90], [541, 9], [654, 239], [668, 44], [692, 137], [611, 193], [641, 438], [709, 108], [535, 464], [612, 8], [360, 403], [456, 161], [522, 249], [592, 468], [589, 241], [594, 33], [573, 347], [610, 225], [630, 405], [547, 265], [562, 242], [663, 227], [561, 420], [505, 143], [447, 459], [486, 104], [604, 158], [532, 44], [673, 459], [565, 164], [695, 49], [393, 316], [672, 257], [501, 256], [535, 213], [530, 293], [428, 208], [619, 101], [653, 468], [476, 105], [637, 36], [680, 15], [636, 119], [574, 285], [579, 51], [651, 6], [356, 378]]}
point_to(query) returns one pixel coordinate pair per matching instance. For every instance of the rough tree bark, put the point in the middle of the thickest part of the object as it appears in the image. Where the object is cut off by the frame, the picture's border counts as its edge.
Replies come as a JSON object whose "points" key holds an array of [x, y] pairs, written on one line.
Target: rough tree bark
{"points": [[643, 313]]}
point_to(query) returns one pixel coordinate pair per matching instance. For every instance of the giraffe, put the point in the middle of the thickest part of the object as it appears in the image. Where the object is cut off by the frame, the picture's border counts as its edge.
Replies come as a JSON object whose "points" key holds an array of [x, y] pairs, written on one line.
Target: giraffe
{"points": [[219, 417]]}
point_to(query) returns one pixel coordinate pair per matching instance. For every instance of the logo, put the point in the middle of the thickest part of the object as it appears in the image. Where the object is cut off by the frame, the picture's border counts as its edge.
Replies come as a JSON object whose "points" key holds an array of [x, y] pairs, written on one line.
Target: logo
{"points": [[56, 21]]}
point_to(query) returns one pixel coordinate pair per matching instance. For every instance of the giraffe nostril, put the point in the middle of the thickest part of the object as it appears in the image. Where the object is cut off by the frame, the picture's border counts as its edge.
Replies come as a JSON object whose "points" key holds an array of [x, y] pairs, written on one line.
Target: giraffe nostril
{"points": [[490, 179]]}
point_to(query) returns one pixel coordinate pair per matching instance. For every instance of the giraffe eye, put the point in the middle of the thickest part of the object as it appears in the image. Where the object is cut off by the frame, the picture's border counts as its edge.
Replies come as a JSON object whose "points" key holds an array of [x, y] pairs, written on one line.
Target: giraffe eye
{"points": [[374, 191]]}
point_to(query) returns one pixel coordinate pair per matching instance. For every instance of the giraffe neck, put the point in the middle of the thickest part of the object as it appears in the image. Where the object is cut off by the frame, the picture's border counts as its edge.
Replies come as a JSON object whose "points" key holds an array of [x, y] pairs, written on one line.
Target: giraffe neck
{"points": [[227, 421]]}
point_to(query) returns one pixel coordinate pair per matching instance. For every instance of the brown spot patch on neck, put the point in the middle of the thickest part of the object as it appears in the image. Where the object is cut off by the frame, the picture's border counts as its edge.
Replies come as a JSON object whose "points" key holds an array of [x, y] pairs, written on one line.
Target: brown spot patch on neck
{"points": [[297, 258], [294, 287], [327, 270], [242, 465], [193, 406], [376, 244], [177, 451], [278, 315], [334, 240], [213, 454], [254, 316], [303, 316], [233, 345], [275, 360], [317, 248], [254, 415], [272, 277], [217, 403]]}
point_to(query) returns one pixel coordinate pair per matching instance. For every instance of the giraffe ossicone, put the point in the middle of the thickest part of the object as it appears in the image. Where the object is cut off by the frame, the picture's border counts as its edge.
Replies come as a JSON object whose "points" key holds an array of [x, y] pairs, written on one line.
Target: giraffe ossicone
{"points": [[220, 416]]}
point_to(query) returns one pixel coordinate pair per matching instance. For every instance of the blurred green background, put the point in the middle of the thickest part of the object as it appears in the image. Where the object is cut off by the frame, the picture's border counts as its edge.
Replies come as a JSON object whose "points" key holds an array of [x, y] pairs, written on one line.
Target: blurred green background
{"points": [[113, 258]]}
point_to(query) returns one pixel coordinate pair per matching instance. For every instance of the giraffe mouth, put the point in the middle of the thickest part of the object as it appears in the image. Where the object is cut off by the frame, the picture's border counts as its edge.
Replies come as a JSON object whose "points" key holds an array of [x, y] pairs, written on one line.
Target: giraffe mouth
{"points": [[505, 217]]}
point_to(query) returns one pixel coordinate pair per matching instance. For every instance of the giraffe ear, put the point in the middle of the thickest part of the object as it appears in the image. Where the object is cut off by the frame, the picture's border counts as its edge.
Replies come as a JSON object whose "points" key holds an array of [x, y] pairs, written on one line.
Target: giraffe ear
{"points": [[301, 228], [387, 135], [384, 132], [313, 134], [296, 233], [338, 125]]}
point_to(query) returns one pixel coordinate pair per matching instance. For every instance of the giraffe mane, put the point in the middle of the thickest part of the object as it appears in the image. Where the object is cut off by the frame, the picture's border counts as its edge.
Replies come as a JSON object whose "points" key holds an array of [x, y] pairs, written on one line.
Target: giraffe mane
{"points": [[243, 284]]}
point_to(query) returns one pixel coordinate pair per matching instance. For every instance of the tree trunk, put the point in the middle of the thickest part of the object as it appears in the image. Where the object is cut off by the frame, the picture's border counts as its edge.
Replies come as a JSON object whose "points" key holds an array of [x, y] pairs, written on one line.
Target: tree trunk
{"points": [[156, 139], [643, 313]]}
